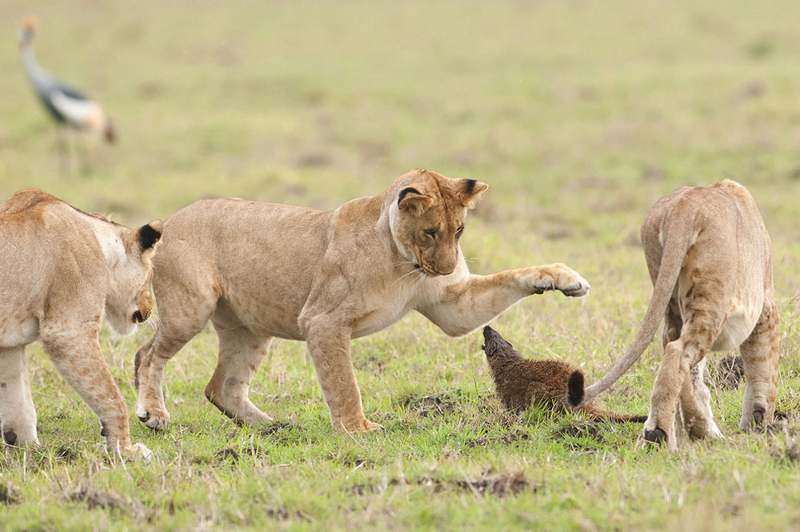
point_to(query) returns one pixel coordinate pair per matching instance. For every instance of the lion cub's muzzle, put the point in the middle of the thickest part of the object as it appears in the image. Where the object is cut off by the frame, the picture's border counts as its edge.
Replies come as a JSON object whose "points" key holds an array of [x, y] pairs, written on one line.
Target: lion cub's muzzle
{"points": [[427, 270]]}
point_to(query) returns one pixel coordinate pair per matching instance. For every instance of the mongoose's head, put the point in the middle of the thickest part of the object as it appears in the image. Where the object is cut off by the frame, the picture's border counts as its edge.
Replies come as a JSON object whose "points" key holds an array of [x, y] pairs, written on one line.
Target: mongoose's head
{"points": [[499, 351], [500, 354]]}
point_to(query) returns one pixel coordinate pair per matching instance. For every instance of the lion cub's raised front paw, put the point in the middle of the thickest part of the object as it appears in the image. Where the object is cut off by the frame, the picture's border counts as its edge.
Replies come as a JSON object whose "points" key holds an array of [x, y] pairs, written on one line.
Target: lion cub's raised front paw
{"points": [[562, 278]]}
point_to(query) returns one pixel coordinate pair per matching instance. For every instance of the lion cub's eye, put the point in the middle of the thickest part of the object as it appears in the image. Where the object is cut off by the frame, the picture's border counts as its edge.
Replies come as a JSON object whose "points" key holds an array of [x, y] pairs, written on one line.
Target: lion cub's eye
{"points": [[460, 229], [431, 233]]}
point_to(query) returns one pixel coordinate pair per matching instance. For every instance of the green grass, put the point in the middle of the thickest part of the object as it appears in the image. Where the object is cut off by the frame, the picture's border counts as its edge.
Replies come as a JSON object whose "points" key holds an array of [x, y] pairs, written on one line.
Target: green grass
{"points": [[579, 115]]}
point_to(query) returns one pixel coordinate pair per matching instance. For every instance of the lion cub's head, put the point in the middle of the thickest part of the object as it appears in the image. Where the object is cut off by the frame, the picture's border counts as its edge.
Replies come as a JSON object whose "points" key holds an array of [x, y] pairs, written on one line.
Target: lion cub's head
{"points": [[428, 218], [128, 300]]}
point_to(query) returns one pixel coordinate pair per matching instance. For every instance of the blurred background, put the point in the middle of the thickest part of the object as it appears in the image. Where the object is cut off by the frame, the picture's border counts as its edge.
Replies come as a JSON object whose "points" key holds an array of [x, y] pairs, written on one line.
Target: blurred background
{"points": [[578, 114]]}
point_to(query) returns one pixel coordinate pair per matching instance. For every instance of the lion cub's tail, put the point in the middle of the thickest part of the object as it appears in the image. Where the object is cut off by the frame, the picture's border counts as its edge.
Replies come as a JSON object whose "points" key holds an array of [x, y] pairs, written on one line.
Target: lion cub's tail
{"points": [[677, 240]]}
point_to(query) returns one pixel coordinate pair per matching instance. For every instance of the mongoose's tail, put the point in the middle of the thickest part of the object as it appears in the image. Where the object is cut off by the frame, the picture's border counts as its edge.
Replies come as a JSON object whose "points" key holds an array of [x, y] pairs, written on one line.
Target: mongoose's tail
{"points": [[575, 394], [575, 388]]}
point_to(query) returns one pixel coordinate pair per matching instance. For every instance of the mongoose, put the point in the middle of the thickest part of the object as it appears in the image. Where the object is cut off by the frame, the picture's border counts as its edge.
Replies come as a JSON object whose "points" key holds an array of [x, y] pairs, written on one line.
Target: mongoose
{"points": [[521, 382]]}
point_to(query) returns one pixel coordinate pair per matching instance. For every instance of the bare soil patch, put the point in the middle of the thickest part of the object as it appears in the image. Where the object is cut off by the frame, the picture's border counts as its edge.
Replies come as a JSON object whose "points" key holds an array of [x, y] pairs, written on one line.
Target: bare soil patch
{"points": [[505, 439], [95, 499], [434, 405]]}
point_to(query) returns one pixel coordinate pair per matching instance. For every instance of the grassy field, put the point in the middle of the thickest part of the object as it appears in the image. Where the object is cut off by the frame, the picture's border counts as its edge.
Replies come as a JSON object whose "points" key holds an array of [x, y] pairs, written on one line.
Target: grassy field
{"points": [[578, 114]]}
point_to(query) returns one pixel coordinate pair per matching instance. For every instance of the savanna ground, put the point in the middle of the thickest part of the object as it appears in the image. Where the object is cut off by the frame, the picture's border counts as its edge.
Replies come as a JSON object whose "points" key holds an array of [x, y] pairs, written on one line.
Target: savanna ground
{"points": [[578, 114]]}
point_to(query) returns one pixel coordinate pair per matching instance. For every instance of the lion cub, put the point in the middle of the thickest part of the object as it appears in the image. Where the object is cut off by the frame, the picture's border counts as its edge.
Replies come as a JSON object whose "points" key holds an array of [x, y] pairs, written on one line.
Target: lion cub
{"points": [[261, 270], [521, 382], [710, 259], [60, 270]]}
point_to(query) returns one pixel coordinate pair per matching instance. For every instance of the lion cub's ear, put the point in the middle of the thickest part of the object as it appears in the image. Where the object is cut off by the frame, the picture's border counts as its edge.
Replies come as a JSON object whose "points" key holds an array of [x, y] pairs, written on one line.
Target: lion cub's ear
{"points": [[413, 201], [469, 191], [149, 234]]}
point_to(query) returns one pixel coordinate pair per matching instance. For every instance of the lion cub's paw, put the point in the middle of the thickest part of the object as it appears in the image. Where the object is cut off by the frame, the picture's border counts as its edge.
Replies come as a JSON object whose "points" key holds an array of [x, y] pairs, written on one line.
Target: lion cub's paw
{"points": [[156, 419], [363, 425], [137, 452], [571, 284]]}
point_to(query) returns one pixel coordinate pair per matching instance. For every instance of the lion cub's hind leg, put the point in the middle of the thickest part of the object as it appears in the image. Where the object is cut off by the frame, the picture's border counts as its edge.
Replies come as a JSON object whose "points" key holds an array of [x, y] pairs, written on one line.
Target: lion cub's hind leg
{"points": [[17, 412], [760, 354], [695, 398], [240, 354], [701, 327]]}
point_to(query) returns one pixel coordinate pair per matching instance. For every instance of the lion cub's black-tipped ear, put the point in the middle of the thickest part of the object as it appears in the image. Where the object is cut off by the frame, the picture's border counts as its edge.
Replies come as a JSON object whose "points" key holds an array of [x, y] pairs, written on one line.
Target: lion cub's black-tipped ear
{"points": [[470, 191], [575, 388], [149, 234], [413, 201]]}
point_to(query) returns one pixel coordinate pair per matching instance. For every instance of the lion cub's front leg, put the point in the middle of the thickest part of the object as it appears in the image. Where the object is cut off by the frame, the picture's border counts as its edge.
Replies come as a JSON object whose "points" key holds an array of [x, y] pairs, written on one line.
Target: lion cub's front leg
{"points": [[82, 365], [17, 412], [329, 346], [478, 299]]}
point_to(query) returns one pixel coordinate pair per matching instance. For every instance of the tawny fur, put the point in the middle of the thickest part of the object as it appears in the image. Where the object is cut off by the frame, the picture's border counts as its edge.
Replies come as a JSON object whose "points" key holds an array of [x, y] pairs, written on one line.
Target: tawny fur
{"points": [[521, 382], [60, 270], [260, 270], [710, 259]]}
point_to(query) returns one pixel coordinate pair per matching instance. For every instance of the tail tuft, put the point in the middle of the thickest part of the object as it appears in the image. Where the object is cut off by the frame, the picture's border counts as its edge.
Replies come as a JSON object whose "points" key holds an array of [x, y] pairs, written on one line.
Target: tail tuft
{"points": [[575, 388]]}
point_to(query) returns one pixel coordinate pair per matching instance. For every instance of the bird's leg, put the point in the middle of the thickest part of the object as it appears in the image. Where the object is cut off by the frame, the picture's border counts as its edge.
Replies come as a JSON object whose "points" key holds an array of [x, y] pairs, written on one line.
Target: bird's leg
{"points": [[83, 156], [62, 147]]}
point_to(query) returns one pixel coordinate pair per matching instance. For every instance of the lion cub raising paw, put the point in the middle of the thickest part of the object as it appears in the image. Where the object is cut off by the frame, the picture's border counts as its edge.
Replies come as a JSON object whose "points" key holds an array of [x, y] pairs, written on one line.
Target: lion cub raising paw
{"points": [[261, 270], [60, 269], [521, 382], [710, 260]]}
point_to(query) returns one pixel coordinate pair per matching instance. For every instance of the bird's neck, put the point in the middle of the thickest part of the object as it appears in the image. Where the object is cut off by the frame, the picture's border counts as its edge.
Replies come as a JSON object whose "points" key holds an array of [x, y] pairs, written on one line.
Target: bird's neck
{"points": [[29, 61]]}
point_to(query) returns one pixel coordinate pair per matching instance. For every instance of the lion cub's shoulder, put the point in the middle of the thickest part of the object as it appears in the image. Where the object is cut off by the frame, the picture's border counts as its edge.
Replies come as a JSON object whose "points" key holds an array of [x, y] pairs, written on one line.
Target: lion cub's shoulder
{"points": [[31, 202]]}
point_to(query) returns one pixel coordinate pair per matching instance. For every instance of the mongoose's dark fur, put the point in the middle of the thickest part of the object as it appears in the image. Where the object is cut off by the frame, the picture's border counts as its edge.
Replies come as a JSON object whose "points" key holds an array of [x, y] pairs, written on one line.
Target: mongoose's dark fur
{"points": [[521, 382]]}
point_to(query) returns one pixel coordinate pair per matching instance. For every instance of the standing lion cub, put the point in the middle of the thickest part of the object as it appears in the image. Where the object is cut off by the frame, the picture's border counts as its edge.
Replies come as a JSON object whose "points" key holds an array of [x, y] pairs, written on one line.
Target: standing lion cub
{"points": [[60, 269], [710, 259], [259, 270]]}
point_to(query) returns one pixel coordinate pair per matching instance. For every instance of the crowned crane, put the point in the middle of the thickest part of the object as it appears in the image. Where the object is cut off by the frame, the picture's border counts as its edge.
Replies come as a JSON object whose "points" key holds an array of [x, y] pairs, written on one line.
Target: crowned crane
{"points": [[67, 105]]}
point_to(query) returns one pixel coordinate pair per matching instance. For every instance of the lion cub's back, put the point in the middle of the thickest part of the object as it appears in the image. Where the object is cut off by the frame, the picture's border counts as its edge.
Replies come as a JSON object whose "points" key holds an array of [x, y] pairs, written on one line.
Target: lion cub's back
{"points": [[262, 257]]}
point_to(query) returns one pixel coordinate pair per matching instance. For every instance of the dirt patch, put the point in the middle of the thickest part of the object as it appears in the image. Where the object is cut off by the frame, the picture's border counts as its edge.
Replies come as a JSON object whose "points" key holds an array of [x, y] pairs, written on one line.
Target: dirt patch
{"points": [[275, 427], [226, 455], [66, 455], [8, 495], [433, 405], [488, 483], [282, 514], [370, 488], [728, 372], [498, 484], [286, 433], [95, 499], [505, 439], [578, 429]]}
